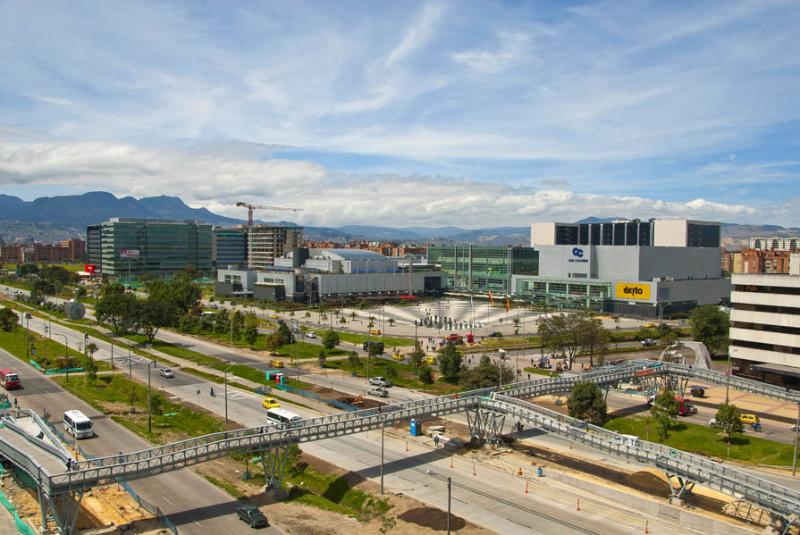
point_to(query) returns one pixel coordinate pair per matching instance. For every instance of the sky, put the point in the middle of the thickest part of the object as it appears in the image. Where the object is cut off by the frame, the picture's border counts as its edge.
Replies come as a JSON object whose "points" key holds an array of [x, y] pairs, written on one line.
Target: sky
{"points": [[465, 113]]}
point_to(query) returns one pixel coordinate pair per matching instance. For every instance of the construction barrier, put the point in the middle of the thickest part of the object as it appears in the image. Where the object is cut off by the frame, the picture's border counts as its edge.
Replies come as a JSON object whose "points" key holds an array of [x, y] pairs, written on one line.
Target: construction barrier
{"points": [[36, 365], [55, 371]]}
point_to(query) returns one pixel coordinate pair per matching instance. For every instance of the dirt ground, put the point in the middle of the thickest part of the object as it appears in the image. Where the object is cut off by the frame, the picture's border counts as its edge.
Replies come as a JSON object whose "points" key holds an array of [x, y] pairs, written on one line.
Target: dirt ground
{"points": [[406, 515], [101, 507]]}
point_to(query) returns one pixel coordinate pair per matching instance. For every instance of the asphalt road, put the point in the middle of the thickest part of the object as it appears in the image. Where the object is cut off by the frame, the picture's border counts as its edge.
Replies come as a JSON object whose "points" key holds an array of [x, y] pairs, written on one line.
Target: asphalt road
{"points": [[192, 503]]}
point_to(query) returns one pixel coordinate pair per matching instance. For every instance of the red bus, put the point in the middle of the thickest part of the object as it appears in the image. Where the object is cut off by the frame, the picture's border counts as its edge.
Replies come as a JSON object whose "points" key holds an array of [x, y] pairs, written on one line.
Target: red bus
{"points": [[9, 379]]}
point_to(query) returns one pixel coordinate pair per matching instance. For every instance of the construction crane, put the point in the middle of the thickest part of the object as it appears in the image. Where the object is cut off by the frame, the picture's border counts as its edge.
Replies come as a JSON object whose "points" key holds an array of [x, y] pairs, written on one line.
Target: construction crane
{"points": [[253, 207]]}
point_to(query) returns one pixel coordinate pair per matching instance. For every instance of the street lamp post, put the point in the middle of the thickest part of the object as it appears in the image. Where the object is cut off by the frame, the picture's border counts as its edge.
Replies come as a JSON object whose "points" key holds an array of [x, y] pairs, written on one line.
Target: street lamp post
{"points": [[796, 436], [225, 374], [382, 428], [28, 336], [149, 400], [449, 494]]}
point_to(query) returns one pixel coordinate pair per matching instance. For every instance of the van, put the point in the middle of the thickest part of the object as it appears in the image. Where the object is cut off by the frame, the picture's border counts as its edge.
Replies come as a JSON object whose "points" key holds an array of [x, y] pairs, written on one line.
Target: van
{"points": [[748, 418], [78, 424], [276, 363]]}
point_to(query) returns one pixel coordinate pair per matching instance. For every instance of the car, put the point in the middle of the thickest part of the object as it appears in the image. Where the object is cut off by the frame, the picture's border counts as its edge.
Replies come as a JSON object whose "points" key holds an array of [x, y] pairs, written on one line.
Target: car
{"points": [[398, 356], [378, 392], [795, 427], [648, 342], [697, 391], [713, 422], [496, 334], [311, 335], [380, 381], [274, 316], [166, 372], [270, 403], [748, 418], [252, 516]]}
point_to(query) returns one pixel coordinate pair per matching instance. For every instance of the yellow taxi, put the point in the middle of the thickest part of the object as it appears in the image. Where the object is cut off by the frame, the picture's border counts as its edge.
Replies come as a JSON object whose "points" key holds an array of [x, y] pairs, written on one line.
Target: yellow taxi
{"points": [[276, 363], [748, 418], [275, 317], [375, 332], [430, 359], [398, 356], [270, 403]]}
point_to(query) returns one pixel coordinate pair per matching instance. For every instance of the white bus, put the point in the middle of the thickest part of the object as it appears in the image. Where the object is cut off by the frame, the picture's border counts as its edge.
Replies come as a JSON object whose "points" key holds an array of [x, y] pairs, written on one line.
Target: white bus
{"points": [[283, 417], [78, 424]]}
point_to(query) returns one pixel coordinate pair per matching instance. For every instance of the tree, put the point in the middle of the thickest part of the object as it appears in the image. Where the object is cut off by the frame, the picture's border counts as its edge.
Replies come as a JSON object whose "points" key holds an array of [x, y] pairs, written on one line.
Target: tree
{"points": [[152, 314], [353, 315], [323, 357], [237, 324], [375, 349], [391, 322], [90, 370], [42, 288], [449, 362], [588, 403], [417, 355], [284, 333], [486, 374], [117, 307], [390, 372], [181, 291], [592, 336], [222, 323], [353, 359], [426, 375], [250, 331], [664, 410], [330, 339], [560, 332], [8, 319], [710, 325], [727, 418], [188, 323]]}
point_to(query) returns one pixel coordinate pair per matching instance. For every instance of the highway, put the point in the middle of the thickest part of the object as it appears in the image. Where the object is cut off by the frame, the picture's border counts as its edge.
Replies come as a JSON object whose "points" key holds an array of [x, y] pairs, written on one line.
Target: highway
{"points": [[489, 504], [192, 503]]}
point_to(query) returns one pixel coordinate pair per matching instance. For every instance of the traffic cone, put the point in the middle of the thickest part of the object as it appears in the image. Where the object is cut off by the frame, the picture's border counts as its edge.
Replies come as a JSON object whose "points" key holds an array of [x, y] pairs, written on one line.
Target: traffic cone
{"points": [[526, 486], [451, 461], [579, 505], [645, 526]]}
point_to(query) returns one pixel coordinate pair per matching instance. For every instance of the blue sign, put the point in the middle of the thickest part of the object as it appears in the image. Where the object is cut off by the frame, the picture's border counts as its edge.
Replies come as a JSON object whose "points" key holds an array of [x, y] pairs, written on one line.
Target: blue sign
{"points": [[577, 252]]}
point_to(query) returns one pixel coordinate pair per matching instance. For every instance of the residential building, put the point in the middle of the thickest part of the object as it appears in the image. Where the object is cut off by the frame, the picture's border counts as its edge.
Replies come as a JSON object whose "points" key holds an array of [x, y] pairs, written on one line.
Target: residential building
{"points": [[476, 269], [325, 274], [265, 243], [160, 247], [62, 252], [645, 268], [762, 261], [765, 326], [229, 247], [775, 243], [94, 246]]}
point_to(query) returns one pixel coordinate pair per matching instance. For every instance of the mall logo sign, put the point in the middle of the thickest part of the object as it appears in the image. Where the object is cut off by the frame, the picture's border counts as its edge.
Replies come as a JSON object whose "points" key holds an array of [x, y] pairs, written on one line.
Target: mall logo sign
{"points": [[577, 254], [633, 291]]}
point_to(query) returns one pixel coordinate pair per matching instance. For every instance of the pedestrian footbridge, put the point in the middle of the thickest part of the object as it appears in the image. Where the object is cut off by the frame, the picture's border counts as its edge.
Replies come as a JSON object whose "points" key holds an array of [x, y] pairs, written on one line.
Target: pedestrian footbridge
{"points": [[62, 482]]}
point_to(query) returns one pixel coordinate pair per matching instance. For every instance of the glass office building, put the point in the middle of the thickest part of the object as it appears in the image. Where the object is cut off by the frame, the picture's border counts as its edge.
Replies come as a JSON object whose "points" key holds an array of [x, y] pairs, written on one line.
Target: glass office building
{"points": [[134, 247], [480, 269], [229, 247]]}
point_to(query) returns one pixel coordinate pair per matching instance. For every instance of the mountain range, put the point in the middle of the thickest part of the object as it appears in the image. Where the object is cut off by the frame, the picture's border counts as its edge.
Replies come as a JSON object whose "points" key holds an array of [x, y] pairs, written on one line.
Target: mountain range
{"points": [[53, 218]]}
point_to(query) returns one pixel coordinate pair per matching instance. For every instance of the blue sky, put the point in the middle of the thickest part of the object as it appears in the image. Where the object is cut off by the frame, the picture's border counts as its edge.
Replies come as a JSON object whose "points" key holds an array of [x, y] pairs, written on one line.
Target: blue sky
{"points": [[410, 113]]}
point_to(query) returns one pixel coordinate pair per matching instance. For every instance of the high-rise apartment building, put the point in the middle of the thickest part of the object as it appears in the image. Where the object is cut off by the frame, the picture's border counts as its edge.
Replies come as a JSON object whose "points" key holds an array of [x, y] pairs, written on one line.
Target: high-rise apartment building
{"points": [[267, 242], [160, 247], [765, 326], [94, 246]]}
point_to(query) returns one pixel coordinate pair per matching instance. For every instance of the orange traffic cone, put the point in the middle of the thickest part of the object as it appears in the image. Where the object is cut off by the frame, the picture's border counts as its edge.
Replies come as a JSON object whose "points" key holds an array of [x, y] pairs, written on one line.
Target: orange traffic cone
{"points": [[526, 486], [645, 526], [579, 505]]}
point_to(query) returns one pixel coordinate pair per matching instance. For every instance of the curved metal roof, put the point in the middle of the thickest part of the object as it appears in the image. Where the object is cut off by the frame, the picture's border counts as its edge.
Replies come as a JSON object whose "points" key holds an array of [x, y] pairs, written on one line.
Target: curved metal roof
{"points": [[350, 254]]}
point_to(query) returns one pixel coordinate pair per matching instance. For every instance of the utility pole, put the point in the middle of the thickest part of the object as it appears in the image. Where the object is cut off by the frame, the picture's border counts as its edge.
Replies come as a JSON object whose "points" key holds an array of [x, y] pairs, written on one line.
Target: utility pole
{"points": [[149, 401], [449, 494], [382, 428], [728, 380], [225, 373], [796, 435]]}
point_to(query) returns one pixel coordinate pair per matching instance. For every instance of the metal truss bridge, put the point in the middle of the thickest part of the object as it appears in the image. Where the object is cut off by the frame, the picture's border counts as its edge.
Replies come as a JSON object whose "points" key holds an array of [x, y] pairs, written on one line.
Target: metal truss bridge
{"points": [[60, 489]]}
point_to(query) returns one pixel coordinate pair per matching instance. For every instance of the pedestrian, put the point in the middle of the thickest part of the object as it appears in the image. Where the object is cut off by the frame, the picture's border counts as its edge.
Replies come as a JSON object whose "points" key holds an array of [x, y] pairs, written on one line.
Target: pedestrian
{"points": [[69, 465], [121, 458], [529, 376], [211, 392], [16, 403], [436, 441]]}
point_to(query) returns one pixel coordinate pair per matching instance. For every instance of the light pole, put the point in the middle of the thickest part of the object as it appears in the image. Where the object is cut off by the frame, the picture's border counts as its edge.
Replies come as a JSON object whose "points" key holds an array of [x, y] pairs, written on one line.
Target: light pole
{"points": [[28, 335], [66, 352], [225, 374], [449, 494], [728, 379], [382, 428], [149, 400]]}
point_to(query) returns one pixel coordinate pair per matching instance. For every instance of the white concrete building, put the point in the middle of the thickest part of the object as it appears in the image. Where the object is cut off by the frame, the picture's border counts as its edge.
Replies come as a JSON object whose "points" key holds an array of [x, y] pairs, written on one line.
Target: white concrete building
{"points": [[765, 325]]}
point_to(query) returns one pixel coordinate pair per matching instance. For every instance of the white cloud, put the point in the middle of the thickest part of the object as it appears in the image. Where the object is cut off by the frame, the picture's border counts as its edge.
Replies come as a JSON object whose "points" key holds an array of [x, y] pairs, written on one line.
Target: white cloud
{"points": [[418, 34], [216, 178], [511, 46]]}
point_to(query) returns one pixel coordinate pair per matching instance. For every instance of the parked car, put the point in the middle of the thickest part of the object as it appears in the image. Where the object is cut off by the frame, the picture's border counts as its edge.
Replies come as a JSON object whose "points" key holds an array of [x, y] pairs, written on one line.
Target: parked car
{"points": [[166, 372], [270, 403], [311, 335], [495, 334], [379, 392], [697, 391], [252, 516], [648, 342], [380, 381]]}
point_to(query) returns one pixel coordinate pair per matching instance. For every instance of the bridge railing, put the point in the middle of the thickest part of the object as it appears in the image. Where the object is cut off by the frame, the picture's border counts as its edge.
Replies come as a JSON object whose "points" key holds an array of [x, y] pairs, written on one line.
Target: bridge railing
{"points": [[767, 494], [739, 383]]}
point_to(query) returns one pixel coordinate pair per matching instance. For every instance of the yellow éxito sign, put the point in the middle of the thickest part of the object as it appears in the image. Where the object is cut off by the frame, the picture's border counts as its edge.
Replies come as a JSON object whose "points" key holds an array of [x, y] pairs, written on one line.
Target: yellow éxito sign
{"points": [[632, 290]]}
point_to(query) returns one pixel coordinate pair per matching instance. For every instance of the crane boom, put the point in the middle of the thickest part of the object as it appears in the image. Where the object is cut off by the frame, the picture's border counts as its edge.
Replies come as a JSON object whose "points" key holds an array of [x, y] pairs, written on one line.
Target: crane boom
{"points": [[253, 207]]}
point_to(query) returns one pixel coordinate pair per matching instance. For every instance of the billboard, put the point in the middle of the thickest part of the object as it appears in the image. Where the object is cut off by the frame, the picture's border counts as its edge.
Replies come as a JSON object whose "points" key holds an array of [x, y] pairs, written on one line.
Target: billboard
{"points": [[632, 290], [131, 254]]}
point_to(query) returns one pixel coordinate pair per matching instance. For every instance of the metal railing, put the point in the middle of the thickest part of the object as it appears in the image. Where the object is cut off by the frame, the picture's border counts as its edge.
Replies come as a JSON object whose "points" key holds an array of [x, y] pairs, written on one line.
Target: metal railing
{"points": [[738, 383], [729, 480]]}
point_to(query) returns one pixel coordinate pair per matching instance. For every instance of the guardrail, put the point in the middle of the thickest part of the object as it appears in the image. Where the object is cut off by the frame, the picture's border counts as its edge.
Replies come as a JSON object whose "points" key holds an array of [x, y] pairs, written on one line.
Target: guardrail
{"points": [[732, 481]]}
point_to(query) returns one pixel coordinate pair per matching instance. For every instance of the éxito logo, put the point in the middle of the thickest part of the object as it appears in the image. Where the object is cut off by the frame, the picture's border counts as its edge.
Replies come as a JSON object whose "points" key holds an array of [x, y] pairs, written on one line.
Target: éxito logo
{"points": [[632, 290], [577, 252]]}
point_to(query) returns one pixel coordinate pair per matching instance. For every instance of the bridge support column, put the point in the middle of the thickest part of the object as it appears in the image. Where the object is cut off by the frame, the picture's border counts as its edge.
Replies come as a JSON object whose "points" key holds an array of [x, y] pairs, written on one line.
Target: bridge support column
{"points": [[274, 462], [62, 509], [485, 425], [681, 491]]}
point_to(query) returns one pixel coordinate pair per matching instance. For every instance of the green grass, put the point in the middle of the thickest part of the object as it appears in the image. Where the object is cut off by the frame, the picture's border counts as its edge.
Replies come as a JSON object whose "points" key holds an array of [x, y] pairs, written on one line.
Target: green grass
{"points": [[406, 374], [540, 371], [305, 350], [49, 353], [705, 440], [356, 338], [117, 395], [230, 488]]}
